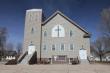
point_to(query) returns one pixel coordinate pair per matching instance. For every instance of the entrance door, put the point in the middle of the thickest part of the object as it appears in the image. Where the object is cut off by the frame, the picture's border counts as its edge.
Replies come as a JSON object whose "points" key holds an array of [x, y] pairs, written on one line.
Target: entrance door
{"points": [[83, 54], [59, 59], [31, 49]]}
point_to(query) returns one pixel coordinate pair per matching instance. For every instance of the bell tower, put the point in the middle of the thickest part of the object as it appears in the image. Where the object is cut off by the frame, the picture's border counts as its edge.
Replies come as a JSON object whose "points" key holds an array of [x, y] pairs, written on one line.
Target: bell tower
{"points": [[32, 31]]}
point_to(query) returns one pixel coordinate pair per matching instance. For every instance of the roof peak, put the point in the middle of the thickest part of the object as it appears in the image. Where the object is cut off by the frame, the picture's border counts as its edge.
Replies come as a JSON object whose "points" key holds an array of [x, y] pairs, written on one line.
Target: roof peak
{"points": [[59, 12]]}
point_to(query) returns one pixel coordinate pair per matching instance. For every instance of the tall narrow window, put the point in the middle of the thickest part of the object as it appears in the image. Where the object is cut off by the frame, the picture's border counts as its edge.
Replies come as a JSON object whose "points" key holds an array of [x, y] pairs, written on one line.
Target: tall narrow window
{"points": [[53, 47], [62, 47], [58, 31], [71, 47], [71, 33], [32, 30], [45, 33], [44, 47]]}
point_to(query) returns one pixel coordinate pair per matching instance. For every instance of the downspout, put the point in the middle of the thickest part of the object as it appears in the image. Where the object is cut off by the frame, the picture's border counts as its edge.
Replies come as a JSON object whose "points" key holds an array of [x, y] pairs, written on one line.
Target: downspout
{"points": [[41, 44]]}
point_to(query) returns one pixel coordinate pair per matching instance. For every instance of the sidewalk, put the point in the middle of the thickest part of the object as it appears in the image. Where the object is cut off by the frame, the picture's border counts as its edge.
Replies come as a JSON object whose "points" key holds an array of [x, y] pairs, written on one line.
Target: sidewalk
{"points": [[55, 68]]}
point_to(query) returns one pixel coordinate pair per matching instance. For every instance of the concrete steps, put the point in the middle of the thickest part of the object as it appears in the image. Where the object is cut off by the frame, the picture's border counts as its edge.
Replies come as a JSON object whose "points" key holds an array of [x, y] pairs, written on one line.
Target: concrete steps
{"points": [[26, 59], [84, 62]]}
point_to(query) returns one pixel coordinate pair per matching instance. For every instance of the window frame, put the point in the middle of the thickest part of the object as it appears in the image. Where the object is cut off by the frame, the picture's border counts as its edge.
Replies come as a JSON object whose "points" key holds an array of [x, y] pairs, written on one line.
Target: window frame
{"points": [[55, 33], [45, 46], [32, 30], [71, 33], [61, 47], [45, 33], [54, 47], [72, 47]]}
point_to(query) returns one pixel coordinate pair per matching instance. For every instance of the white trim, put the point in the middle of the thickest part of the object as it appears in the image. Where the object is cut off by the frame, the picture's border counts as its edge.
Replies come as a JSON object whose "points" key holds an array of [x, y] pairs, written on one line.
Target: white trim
{"points": [[33, 10]]}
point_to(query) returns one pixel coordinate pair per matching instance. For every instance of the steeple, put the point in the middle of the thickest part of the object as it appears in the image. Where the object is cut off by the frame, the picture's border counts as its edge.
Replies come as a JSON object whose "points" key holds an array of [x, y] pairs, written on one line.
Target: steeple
{"points": [[32, 32]]}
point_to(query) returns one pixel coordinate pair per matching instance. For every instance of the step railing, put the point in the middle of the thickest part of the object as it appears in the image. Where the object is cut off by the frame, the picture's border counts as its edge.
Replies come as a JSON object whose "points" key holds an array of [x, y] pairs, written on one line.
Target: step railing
{"points": [[22, 57]]}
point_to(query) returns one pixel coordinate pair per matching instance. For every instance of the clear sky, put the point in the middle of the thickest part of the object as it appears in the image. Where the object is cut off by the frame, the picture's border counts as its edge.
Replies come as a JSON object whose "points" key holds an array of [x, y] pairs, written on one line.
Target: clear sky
{"points": [[84, 12]]}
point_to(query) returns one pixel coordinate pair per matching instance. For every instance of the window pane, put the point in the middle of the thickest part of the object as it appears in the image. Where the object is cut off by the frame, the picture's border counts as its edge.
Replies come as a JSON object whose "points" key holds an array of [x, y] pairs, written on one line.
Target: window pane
{"points": [[44, 47], [45, 33], [58, 31], [53, 47], [32, 30], [71, 46], [62, 46], [71, 33]]}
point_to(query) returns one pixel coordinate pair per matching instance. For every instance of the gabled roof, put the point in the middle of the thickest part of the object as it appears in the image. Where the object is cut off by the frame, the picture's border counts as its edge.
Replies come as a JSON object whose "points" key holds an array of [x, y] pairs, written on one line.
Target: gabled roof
{"points": [[71, 21]]}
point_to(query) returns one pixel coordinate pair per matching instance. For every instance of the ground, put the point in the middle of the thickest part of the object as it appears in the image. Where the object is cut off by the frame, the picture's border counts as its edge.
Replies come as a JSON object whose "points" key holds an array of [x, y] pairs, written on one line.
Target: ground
{"points": [[56, 68]]}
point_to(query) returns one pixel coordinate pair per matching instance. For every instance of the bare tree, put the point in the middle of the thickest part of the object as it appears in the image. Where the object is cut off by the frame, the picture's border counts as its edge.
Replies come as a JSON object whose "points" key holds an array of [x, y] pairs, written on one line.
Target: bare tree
{"points": [[10, 47], [93, 49], [105, 28], [100, 47], [3, 35], [105, 24]]}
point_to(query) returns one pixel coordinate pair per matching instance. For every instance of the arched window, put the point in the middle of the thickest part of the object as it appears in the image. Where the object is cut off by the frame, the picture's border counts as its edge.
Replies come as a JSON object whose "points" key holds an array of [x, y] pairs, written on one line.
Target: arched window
{"points": [[58, 31], [62, 47], [44, 47], [45, 33], [71, 33], [71, 47], [32, 30]]}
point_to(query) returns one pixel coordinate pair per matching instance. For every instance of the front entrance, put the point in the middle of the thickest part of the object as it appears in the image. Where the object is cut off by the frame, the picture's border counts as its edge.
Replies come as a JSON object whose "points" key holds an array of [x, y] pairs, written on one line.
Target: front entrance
{"points": [[59, 59], [83, 54], [31, 49]]}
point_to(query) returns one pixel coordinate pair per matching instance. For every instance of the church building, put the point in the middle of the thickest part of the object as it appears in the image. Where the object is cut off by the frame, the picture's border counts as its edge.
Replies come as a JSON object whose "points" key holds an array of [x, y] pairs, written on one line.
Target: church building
{"points": [[57, 38]]}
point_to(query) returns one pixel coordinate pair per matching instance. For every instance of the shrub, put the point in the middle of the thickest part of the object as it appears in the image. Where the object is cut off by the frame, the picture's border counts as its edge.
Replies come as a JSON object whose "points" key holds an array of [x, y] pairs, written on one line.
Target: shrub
{"points": [[75, 61]]}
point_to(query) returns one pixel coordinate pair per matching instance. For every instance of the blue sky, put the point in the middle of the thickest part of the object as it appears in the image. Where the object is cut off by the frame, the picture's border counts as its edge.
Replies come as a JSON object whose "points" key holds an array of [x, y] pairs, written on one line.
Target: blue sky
{"points": [[84, 12]]}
